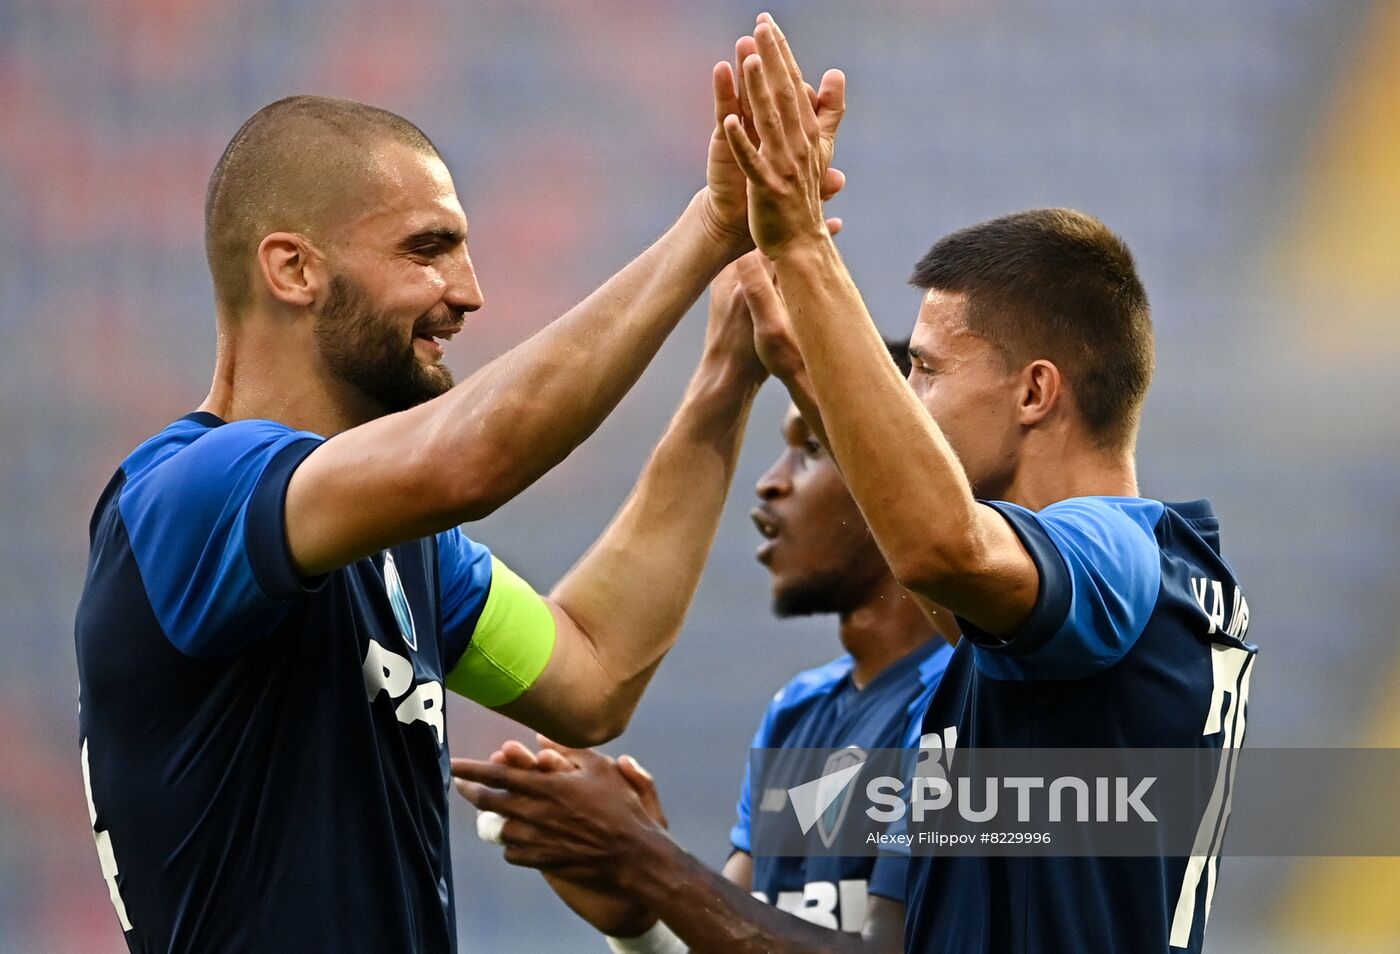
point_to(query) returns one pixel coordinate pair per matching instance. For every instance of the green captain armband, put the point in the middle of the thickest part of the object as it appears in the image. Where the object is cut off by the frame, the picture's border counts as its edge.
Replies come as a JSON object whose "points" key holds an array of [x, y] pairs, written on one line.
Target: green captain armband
{"points": [[513, 641]]}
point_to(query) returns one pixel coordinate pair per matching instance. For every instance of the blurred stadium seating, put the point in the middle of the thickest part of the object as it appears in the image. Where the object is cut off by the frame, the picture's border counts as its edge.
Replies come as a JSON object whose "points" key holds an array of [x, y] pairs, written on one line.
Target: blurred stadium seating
{"points": [[1248, 151]]}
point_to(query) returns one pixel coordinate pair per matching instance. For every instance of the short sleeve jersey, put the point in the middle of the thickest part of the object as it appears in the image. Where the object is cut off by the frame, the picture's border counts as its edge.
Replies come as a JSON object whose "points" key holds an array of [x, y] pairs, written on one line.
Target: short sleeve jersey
{"points": [[1137, 640], [265, 756], [822, 709]]}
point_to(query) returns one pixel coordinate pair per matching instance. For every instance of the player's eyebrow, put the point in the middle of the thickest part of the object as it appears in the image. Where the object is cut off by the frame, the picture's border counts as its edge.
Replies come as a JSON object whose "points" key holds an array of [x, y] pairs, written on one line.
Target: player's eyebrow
{"points": [[919, 354], [442, 235]]}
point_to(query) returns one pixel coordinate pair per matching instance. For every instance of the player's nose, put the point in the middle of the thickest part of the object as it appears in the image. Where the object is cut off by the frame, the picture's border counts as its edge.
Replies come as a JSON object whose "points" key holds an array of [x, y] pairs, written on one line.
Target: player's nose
{"points": [[463, 291], [776, 481]]}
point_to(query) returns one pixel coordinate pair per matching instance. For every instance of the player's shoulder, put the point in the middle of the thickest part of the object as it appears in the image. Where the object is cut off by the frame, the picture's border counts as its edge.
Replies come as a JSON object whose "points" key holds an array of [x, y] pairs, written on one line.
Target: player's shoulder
{"points": [[1124, 524], [455, 544], [215, 439], [811, 684], [1105, 513]]}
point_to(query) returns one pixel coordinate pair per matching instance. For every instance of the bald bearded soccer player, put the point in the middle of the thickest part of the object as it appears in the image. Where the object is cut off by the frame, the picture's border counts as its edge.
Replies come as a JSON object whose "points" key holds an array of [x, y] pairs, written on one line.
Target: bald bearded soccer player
{"points": [[278, 589]]}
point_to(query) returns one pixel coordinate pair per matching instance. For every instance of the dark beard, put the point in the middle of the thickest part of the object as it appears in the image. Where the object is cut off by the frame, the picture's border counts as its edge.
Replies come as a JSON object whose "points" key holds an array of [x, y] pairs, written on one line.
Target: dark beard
{"points": [[817, 595], [365, 350]]}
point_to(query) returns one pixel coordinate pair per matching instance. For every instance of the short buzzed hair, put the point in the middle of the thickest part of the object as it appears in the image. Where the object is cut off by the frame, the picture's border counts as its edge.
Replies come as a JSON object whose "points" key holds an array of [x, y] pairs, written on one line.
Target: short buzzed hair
{"points": [[285, 170], [1056, 284]]}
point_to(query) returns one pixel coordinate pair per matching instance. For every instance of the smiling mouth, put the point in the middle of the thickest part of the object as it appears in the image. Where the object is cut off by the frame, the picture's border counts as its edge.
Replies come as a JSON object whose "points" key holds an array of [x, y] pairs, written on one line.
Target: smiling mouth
{"points": [[437, 336], [432, 340]]}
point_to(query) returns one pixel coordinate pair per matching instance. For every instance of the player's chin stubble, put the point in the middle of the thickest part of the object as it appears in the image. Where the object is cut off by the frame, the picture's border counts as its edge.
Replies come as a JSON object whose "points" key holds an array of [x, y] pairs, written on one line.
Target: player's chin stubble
{"points": [[367, 352], [814, 595]]}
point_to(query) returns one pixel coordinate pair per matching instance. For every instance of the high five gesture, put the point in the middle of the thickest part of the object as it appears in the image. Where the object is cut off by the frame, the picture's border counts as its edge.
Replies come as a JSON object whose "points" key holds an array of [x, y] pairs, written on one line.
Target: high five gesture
{"points": [[788, 167]]}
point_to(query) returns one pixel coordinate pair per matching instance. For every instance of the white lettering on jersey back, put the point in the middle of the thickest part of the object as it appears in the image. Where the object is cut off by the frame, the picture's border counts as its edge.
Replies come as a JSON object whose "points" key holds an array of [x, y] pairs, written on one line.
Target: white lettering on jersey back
{"points": [[819, 901], [1231, 668], [1238, 619], [387, 671]]}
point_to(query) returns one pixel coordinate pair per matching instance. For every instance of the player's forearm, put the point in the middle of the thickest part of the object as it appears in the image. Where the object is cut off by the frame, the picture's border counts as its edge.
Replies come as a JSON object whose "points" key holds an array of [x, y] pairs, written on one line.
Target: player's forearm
{"points": [[631, 591], [893, 456], [799, 388], [524, 412], [715, 916]]}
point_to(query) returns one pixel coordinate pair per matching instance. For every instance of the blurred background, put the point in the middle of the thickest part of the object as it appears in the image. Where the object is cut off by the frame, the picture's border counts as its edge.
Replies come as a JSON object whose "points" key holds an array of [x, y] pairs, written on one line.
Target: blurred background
{"points": [[1248, 151]]}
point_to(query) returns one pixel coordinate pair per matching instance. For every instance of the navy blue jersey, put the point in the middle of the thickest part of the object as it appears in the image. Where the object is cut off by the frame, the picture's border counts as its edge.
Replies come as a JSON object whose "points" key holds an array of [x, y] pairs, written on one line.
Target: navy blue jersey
{"points": [[1136, 640], [266, 756], [823, 709]]}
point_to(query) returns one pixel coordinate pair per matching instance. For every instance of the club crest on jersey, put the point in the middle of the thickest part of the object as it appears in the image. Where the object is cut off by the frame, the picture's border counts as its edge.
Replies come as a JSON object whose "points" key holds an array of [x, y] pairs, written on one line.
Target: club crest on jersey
{"points": [[398, 600], [829, 821]]}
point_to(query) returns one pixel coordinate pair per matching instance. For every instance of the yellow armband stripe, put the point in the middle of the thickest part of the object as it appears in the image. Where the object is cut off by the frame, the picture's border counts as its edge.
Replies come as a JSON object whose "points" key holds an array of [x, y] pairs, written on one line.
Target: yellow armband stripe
{"points": [[511, 646]]}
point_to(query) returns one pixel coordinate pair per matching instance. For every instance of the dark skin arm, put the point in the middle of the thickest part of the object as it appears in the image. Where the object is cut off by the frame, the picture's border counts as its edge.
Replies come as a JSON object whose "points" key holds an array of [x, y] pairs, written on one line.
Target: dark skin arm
{"points": [[578, 818]]}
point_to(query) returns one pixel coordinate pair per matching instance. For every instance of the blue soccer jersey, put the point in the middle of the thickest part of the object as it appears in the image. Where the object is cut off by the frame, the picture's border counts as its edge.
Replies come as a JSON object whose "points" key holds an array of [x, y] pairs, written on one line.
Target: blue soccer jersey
{"points": [[823, 709], [1136, 640], [266, 757]]}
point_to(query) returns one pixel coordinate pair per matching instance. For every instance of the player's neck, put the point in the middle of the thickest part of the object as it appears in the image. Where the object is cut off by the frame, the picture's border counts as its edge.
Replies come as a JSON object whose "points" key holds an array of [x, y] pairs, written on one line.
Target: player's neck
{"points": [[1048, 475], [279, 378], [883, 629]]}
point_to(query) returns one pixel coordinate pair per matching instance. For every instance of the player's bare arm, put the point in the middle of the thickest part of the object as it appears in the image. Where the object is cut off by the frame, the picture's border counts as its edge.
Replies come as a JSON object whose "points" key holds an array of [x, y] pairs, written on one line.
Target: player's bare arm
{"points": [[461, 456], [620, 609], [895, 459], [773, 338], [589, 825]]}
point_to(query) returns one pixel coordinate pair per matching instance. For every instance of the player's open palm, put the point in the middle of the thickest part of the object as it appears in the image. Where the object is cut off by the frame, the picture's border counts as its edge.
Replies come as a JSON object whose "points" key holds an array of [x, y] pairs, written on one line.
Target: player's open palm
{"points": [[725, 182], [789, 167]]}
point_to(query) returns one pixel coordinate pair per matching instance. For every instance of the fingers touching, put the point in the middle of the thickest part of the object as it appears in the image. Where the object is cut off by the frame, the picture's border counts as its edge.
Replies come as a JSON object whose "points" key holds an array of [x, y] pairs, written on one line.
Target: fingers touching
{"points": [[784, 79]]}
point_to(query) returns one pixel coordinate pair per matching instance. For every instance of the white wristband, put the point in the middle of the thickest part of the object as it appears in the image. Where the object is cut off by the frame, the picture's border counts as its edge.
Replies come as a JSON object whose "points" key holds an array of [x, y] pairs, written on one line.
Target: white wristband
{"points": [[488, 827], [659, 940]]}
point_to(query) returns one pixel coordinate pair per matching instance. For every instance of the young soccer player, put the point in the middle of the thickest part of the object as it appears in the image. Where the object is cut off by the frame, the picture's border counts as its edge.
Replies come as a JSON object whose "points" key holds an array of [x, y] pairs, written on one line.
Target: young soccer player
{"points": [[1003, 485], [278, 590], [822, 560]]}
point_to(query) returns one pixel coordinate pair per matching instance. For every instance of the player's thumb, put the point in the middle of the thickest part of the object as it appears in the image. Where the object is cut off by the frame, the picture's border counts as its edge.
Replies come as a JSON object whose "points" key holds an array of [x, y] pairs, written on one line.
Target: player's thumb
{"points": [[644, 785], [637, 776], [757, 286], [766, 307], [833, 181]]}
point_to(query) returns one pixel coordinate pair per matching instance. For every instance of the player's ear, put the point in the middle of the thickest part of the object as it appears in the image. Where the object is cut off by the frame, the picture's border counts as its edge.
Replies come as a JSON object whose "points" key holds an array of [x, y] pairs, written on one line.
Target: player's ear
{"points": [[291, 269], [1040, 390]]}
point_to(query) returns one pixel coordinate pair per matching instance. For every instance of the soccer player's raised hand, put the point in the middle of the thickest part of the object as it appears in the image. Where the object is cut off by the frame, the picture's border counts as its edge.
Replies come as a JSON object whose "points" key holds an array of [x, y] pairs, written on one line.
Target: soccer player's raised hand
{"points": [[727, 199], [772, 326], [788, 166], [744, 300], [730, 333], [726, 193]]}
